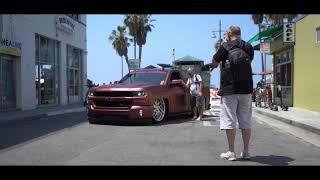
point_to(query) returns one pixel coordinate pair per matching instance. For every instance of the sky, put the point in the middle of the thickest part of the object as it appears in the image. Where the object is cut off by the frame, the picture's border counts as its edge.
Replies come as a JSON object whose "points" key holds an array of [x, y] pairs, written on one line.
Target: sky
{"points": [[188, 34]]}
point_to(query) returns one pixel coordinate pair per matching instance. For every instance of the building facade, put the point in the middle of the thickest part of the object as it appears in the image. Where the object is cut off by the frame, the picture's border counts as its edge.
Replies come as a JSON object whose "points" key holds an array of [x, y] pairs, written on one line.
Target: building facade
{"points": [[307, 62], [282, 65], [43, 60]]}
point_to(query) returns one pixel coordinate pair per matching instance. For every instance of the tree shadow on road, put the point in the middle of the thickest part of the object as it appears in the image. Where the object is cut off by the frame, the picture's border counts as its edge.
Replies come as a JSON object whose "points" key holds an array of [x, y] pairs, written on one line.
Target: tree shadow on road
{"points": [[272, 160], [17, 132]]}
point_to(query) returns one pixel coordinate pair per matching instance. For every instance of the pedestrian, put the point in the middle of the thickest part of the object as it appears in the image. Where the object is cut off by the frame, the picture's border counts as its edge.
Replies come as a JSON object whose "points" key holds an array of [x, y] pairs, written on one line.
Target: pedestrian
{"points": [[195, 84], [236, 88]]}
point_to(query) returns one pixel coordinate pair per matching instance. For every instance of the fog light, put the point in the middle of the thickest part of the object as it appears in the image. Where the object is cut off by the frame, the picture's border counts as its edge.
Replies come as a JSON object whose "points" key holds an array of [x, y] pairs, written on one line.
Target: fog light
{"points": [[141, 112]]}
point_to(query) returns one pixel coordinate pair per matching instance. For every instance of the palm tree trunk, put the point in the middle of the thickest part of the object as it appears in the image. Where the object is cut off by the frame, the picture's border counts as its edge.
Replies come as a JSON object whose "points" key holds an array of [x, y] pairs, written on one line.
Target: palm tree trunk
{"points": [[140, 53], [121, 66], [127, 60]]}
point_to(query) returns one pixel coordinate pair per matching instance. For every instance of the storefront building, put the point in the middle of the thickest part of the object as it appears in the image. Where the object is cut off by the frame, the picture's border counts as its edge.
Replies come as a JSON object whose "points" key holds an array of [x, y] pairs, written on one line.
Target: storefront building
{"points": [[282, 69], [307, 62], [295, 65], [282, 63], [42, 60]]}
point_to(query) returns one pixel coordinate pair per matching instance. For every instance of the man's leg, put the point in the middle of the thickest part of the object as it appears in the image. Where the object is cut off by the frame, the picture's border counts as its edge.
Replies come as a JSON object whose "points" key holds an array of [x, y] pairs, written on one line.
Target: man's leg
{"points": [[231, 135], [200, 107], [195, 111], [246, 134], [228, 120], [244, 114], [193, 106], [200, 112]]}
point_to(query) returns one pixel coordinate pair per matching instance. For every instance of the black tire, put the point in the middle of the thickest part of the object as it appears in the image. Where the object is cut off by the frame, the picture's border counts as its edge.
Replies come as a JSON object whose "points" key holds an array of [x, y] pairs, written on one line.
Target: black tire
{"points": [[92, 120]]}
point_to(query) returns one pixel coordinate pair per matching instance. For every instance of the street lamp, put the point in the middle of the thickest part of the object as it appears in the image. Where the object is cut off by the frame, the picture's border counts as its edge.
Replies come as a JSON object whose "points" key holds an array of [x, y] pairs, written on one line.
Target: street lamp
{"points": [[174, 53]]}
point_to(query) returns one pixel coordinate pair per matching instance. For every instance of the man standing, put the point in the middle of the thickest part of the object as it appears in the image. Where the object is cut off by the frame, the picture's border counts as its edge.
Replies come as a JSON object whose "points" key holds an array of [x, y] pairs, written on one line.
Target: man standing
{"points": [[195, 85], [236, 88]]}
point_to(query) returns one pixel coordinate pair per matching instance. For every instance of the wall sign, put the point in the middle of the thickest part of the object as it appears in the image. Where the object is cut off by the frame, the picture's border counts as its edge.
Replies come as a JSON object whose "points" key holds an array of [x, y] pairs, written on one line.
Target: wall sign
{"points": [[133, 64], [289, 33], [65, 24], [10, 47], [265, 47]]}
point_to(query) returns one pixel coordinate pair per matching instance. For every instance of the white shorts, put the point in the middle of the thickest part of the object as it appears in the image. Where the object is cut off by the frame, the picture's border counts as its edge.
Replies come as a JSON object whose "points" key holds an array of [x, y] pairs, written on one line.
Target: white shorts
{"points": [[236, 107]]}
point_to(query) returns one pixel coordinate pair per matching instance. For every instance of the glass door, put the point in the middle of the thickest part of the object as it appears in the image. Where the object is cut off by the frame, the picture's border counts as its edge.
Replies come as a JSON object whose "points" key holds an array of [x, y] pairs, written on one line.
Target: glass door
{"points": [[74, 59], [7, 81]]}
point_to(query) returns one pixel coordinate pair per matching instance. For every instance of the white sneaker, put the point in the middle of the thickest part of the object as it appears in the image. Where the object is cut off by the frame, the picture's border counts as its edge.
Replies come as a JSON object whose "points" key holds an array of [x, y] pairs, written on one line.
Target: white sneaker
{"points": [[195, 117], [245, 156], [231, 156], [199, 119]]}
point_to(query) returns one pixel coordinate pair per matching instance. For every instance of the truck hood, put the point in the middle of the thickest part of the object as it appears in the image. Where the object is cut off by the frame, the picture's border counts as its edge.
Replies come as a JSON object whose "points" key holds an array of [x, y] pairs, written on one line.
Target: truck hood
{"points": [[125, 87]]}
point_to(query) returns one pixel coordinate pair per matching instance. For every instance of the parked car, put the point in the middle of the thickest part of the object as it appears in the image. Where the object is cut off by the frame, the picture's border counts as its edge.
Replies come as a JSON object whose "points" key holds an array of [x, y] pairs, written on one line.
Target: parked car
{"points": [[143, 94]]}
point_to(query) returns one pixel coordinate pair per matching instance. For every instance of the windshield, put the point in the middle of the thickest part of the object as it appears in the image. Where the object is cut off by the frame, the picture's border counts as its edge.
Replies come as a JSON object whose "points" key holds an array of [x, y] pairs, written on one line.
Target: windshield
{"points": [[151, 78]]}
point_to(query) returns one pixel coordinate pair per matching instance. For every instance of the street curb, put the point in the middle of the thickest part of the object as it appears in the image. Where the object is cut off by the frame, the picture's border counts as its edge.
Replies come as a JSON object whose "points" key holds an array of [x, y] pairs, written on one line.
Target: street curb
{"points": [[291, 122], [65, 111]]}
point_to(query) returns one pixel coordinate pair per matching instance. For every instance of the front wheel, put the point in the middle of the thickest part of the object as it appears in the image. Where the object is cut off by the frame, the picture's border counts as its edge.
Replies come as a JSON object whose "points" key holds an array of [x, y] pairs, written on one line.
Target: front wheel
{"points": [[92, 120], [159, 111]]}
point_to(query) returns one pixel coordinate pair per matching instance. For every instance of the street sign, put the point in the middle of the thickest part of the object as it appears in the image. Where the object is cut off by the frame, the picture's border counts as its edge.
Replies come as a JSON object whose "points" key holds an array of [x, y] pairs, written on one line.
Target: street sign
{"points": [[289, 33], [265, 47], [133, 64]]}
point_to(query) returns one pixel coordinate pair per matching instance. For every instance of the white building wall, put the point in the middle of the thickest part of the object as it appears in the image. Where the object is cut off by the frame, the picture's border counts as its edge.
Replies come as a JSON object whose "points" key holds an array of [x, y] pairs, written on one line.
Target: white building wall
{"points": [[25, 28]]}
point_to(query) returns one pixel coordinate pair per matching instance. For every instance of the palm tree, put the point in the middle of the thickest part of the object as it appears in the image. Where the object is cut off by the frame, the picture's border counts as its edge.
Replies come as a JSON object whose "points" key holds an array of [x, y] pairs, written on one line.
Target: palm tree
{"points": [[120, 43], [278, 19], [258, 19], [144, 27], [131, 21]]}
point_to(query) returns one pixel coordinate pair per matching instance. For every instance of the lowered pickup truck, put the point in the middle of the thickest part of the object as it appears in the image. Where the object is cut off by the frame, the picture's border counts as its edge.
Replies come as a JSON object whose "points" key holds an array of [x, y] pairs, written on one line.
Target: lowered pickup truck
{"points": [[143, 94]]}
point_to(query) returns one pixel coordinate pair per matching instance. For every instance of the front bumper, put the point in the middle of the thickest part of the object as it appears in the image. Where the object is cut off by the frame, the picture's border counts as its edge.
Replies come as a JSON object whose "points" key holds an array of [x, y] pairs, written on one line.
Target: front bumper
{"points": [[133, 112]]}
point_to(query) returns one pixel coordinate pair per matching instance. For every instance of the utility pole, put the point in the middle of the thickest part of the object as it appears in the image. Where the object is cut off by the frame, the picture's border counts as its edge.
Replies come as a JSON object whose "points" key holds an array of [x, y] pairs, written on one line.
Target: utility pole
{"points": [[220, 42], [262, 62]]}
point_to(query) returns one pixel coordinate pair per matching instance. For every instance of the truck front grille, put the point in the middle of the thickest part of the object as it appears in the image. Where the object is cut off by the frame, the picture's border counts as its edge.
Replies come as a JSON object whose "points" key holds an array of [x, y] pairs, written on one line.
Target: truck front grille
{"points": [[114, 94], [101, 103]]}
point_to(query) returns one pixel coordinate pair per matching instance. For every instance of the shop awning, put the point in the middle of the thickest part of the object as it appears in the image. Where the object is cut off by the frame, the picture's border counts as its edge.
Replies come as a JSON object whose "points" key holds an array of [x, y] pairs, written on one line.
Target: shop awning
{"points": [[266, 34]]}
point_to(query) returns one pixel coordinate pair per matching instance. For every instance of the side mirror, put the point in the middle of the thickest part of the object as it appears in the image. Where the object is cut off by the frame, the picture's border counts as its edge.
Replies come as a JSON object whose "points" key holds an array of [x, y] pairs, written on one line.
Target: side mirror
{"points": [[115, 82]]}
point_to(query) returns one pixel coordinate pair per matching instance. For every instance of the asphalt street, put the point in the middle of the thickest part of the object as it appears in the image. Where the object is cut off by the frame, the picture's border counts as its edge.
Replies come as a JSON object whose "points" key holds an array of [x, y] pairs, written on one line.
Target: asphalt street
{"points": [[70, 140]]}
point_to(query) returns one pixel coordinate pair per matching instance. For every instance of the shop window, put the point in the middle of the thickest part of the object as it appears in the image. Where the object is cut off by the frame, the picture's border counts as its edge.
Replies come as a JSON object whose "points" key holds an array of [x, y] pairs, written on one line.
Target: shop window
{"points": [[46, 69]]}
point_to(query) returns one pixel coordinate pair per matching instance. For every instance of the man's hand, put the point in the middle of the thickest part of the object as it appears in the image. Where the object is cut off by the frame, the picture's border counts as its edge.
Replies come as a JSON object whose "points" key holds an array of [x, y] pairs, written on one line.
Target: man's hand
{"points": [[215, 63], [200, 94]]}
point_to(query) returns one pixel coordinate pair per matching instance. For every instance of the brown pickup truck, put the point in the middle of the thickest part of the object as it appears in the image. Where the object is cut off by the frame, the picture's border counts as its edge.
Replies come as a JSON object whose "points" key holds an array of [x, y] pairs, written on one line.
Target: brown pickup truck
{"points": [[143, 94]]}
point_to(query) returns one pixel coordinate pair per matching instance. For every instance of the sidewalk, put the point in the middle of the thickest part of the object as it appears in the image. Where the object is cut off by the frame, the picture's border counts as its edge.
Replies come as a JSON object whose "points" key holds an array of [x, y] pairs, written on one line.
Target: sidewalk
{"points": [[302, 118], [17, 115]]}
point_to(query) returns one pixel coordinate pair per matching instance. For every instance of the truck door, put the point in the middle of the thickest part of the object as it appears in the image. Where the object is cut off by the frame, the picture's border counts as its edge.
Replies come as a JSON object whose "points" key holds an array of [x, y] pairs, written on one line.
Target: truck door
{"points": [[179, 96]]}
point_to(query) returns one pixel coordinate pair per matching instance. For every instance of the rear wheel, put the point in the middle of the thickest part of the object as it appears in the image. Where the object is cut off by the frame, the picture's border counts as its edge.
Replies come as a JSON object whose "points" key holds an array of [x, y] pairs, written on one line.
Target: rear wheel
{"points": [[159, 111], [92, 120]]}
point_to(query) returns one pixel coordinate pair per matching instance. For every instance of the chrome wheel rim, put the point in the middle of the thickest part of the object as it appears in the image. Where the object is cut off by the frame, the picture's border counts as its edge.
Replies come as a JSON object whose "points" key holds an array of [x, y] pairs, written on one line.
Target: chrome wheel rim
{"points": [[158, 110]]}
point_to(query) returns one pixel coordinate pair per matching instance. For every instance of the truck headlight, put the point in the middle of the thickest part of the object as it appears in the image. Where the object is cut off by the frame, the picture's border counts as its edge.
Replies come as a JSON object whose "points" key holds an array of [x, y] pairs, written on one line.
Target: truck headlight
{"points": [[139, 94]]}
